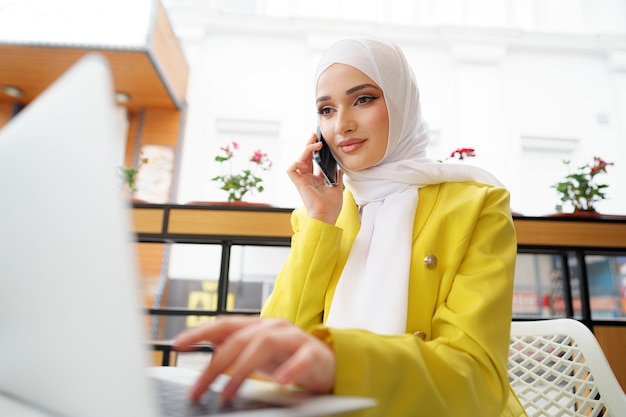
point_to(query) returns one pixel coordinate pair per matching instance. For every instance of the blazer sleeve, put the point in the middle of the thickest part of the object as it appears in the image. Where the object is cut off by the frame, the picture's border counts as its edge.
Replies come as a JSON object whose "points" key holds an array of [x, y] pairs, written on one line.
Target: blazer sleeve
{"points": [[459, 368], [300, 287]]}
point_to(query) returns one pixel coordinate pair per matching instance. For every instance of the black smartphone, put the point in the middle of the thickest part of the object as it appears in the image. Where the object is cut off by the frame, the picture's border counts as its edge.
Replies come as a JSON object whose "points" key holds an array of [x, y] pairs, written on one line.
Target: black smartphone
{"points": [[326, 161]]}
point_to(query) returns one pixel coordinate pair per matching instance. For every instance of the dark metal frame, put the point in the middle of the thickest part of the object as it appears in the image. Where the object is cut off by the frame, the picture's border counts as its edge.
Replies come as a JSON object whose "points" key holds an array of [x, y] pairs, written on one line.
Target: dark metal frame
{"points": [[228, 241]]}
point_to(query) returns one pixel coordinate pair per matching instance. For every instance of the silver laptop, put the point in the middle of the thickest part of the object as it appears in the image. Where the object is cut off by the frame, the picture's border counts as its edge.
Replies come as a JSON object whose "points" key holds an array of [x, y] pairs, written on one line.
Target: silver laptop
{"points": [[71, 339]]}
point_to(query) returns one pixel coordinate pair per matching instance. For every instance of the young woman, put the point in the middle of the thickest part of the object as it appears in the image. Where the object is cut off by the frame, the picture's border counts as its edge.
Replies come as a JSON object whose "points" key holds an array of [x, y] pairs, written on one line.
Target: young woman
{"points": [[399, 287]]}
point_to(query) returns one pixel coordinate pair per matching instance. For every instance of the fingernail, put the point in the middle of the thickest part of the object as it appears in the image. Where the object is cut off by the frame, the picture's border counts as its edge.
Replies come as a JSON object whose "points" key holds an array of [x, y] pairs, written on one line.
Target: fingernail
{"points": [[196, 392]]}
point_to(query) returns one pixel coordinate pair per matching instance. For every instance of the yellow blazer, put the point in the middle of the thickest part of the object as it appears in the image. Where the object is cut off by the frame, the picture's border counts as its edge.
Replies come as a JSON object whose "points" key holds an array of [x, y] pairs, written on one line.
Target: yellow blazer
{"points": [[452, 361]]}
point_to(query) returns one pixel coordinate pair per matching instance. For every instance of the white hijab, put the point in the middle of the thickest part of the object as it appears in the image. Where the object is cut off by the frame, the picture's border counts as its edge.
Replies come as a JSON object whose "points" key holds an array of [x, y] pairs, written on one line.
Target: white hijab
{"points": [[372, 292]]}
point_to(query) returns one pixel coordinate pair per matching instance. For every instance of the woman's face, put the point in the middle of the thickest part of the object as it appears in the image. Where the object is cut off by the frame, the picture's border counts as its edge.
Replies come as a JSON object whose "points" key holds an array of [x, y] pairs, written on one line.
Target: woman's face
{"points": [[353, 116]]}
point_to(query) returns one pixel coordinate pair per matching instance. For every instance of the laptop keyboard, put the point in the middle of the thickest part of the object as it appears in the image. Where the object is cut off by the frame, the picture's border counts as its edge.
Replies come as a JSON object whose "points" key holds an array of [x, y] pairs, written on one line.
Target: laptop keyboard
{"points": [[174, 402]]}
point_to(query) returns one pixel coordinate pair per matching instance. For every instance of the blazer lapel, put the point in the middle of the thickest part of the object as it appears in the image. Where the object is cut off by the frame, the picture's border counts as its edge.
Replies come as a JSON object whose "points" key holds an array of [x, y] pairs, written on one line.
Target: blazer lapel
{"points": [[425, 207]]}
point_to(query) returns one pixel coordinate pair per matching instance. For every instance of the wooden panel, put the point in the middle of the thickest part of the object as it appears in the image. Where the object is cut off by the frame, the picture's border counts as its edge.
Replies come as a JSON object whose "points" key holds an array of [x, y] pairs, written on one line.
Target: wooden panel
{"points": [[6, 110], [154, 76], [169, 55], [150, 259], [150, 256], [613, 342], [131, 138], [161, 127], [135, 74], [592, 234], [230, 223], [148, 220], [34, 68], [532, 232]]}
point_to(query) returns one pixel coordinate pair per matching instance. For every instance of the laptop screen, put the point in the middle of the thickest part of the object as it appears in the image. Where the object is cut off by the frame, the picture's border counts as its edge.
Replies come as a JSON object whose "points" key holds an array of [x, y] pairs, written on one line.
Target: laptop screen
{"points": [[71, 333]]}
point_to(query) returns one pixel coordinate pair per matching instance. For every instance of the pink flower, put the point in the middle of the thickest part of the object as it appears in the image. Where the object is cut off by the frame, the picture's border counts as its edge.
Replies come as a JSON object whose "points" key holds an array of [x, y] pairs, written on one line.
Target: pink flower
{"points": [[229, 150], [258, 156], [238, 184]]}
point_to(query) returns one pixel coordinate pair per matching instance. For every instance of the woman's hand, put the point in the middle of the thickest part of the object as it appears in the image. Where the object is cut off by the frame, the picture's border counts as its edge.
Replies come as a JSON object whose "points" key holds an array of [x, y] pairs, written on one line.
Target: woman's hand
{"points": [[321, 201], [245, 344]]}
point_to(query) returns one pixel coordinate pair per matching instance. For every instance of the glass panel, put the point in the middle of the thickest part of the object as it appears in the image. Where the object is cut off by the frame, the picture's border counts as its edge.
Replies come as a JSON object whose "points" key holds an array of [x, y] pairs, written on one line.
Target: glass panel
{"points": [[604, 286], [540, 289], [607, 286], [253, 270], [191, 282], [539, 286], [193, 279]]}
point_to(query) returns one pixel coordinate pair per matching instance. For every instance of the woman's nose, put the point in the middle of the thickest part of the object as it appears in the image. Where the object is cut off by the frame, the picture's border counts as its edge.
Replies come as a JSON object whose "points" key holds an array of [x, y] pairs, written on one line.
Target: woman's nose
{"points": [[344, 122]]}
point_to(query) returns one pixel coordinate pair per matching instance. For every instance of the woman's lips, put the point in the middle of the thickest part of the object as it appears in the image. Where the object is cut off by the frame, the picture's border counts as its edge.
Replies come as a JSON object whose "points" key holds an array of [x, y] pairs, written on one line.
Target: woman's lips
{"points": [[351, 145]]}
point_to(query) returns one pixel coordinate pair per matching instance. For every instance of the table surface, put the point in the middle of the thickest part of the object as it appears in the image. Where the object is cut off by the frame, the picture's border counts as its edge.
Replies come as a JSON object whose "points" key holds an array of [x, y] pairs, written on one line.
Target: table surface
{"points": [[13, 408]]}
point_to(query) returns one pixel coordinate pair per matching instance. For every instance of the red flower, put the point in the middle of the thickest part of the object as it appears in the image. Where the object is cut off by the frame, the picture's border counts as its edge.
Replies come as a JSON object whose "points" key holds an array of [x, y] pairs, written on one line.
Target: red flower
{"points": [[599, 165], [463, 153]]}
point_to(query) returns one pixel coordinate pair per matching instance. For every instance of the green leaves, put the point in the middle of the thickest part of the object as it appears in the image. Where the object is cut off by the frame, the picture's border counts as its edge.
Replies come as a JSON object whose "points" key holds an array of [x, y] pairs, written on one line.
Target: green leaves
{"points": [[128, 176], [239, 184], [580, 189]]}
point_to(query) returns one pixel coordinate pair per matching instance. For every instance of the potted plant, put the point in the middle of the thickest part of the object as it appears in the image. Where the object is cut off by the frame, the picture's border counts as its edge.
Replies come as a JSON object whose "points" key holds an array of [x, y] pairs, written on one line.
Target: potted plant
{"points": [[128, 177], [580, 189], [238, 184]]}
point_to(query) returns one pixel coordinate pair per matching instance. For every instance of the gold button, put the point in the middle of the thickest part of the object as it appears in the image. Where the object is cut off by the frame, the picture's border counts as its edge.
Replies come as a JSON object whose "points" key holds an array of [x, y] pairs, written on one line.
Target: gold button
{"points": [[420, 334], [430, 261]]}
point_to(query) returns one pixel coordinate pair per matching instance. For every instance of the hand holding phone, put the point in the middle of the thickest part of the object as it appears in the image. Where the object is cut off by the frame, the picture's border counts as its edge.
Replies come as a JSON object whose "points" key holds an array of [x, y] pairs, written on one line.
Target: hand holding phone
{"points": [[326, 161]]}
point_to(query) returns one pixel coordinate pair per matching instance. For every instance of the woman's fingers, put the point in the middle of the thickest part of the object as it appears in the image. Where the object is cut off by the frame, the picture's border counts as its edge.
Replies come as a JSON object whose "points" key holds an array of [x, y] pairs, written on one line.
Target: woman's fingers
{"points": [[265, 347], [217, 333], [262, 347], [270, 346], [214, 332], [321, 202], [221, 362], [280, 349], [304, 164], [310, 366]]}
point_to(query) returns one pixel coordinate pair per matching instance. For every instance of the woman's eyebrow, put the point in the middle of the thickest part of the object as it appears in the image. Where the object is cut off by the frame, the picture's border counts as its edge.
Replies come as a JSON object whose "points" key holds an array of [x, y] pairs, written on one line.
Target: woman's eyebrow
{"points": [[360, 87], [350, 91], [322, 98]]}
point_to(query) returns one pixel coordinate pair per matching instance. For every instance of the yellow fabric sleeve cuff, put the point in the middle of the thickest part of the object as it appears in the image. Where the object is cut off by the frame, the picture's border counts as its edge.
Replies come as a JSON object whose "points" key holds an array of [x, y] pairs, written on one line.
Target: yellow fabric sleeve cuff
{"points": [[322, 333]]}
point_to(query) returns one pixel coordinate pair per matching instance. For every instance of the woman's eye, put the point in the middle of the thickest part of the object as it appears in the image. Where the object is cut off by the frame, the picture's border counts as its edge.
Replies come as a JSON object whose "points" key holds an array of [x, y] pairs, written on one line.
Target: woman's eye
{"points": [[324, 111], [365, 99]]}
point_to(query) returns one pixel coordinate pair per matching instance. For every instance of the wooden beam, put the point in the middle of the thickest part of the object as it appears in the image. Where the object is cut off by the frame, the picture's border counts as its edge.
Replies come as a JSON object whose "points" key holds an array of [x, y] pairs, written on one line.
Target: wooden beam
{"points": [[230, 223], [154, 75], [571, 233]]}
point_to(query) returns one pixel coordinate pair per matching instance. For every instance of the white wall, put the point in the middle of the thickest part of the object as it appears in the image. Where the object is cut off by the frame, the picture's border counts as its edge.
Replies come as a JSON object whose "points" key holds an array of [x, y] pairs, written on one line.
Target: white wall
{"points": [[526, 83], [247, 79]]}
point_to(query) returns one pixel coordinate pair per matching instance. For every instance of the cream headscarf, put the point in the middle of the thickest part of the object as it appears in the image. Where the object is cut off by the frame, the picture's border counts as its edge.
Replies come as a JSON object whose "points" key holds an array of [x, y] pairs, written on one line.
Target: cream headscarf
{"points": [[372, 292]]}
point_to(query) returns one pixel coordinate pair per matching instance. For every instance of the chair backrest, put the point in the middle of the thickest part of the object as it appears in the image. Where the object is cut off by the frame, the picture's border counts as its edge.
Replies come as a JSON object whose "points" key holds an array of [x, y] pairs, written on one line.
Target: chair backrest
{"points": [[557, 368]]}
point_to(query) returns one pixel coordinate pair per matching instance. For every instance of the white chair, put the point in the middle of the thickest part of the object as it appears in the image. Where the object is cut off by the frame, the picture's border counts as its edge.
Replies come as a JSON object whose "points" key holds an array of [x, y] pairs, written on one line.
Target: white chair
{"points": [[557, 368]]}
